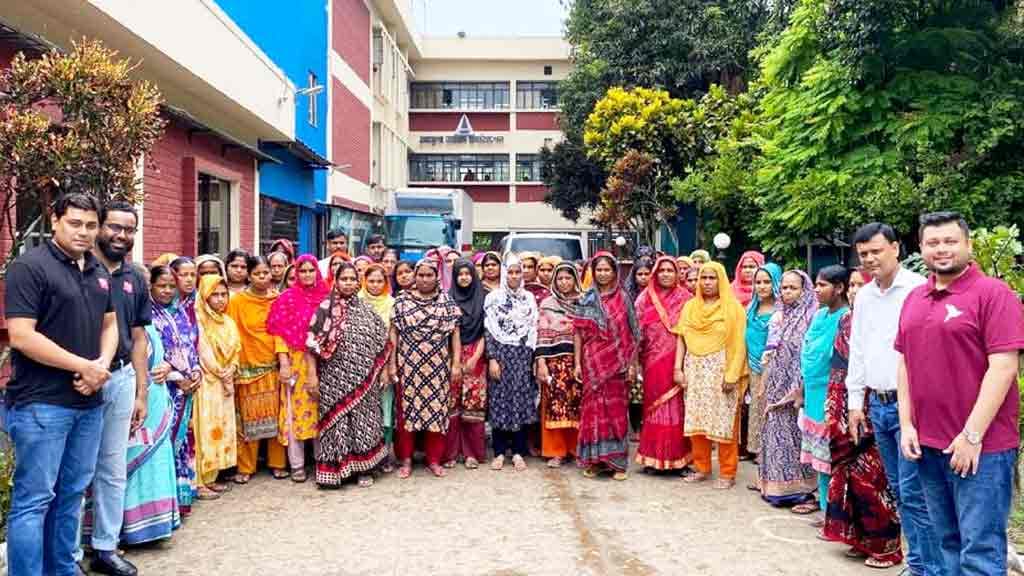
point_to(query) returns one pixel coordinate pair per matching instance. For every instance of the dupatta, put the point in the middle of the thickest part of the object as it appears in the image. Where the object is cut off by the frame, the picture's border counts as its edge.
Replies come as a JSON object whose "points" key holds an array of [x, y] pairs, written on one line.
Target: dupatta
{"points": [[711, 327], [744, 291], [219, 341], [383, 304], [608, 326], [554, 321], [291, 312], [757, 324], [510, 314], [657, 304]]}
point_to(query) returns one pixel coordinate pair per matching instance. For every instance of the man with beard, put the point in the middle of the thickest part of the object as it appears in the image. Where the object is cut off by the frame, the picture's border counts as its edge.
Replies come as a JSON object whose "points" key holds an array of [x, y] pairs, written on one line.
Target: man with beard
{"points": [[959, 340], [124, 396]]}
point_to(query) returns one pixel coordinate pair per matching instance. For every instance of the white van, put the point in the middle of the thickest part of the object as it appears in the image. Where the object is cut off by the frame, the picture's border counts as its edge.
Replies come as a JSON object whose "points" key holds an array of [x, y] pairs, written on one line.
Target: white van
{"points": [[569, 246]]}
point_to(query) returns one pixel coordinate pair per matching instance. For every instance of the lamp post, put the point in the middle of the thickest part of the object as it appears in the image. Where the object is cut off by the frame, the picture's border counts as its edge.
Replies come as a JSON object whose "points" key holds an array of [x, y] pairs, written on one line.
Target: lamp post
{"points": [[722, 242], [620, 244]]}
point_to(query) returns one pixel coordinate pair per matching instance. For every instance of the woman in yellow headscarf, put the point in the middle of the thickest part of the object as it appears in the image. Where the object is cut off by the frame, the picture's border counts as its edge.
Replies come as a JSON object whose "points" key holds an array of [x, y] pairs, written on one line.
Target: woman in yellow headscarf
{"points": [[711, 364], [213, 413]]}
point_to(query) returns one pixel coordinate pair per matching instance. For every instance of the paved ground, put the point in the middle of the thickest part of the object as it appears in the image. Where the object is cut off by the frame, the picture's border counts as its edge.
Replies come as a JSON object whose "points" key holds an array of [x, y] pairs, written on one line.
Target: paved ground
{"points": [[539, 522]]}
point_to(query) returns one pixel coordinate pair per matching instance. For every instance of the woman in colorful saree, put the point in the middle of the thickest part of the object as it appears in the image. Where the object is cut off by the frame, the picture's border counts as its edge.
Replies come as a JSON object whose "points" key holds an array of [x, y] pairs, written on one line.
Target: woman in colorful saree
{"points": [[784, 480], [763, 305], [743, 277], [861, 511], [150, 495], [178, 335], [555, 359], [348, 349], [815, 364], [606, 342], [468, 400], [289, 320], [213, 411], [376, 291], [257, 393], [662, 444], [185, 279], [510, 317], [425, 336], [711, 365]]}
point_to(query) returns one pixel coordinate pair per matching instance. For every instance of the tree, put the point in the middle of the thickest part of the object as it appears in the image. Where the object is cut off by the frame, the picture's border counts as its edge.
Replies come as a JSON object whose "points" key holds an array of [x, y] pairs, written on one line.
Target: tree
{"points": [[631, 197], [71, 122], [573, 180]]}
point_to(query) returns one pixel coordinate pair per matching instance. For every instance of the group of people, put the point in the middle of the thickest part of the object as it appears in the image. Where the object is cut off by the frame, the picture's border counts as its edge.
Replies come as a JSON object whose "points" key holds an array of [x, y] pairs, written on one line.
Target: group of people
{"points": [[872, 397]]}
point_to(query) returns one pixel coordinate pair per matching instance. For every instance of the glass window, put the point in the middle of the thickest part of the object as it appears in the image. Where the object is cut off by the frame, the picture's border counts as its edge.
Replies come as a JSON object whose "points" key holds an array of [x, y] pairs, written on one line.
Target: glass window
{"points": [[460, 95], [214, 215], [312, 113], [528, 168], [458, 168], [277, 220], [536, 95]]}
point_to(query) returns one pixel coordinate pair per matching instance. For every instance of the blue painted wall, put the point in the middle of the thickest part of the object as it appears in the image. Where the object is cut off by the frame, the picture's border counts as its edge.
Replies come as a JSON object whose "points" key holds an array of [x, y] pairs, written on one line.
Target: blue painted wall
{"points": [[293, 34]]}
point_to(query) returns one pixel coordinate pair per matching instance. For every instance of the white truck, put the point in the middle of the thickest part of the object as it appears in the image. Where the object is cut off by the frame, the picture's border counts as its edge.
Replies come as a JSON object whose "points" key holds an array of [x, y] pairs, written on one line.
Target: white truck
{"points": [[418, 219]]}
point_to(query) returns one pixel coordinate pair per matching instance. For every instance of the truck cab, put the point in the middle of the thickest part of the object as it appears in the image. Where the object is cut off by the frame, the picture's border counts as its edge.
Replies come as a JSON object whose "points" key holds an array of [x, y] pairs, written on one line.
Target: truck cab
{"points": [[412, 235], [418, 219]]}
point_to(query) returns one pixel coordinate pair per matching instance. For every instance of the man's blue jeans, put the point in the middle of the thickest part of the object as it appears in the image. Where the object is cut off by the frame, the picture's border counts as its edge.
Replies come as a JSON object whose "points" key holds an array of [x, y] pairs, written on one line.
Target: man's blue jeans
{"points": [[112, 463], [970, 514], [923, 555], [55, 452]]}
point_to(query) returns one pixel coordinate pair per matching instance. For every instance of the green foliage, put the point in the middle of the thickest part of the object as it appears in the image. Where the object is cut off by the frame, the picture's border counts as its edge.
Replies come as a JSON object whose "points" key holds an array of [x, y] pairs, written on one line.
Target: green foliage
{"points": [[6, 481], [997, 251], [573, 180], [72, 122]]}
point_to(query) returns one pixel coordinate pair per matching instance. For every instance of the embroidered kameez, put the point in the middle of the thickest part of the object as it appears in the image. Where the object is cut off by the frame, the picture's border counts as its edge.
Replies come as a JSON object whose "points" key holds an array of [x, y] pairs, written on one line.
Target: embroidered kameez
{"points": [[561, 395], [662, 444], [349, 341], [784, 480], [756, 339], [862, 510], [467, 403], [213, 414]]}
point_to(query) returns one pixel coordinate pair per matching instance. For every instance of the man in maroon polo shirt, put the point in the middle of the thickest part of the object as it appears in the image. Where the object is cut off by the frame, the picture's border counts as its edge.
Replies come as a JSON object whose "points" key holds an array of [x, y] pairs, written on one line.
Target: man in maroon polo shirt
{"points": [[959, 338]]}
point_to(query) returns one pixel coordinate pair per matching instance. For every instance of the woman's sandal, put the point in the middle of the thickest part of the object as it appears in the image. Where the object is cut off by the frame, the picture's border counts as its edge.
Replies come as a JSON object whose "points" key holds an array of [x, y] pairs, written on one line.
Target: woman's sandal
{"points": [[620, 475], [280, 473], [299, 476], [725, 484], [590, 472], [754, 487], [438, 470], [220, 487], [855, 554], [555, 462], [365, 481], [242, 478], [472, 463], [449, 464], [498, 463], [405, 470], [879, 564], [518, 464], [805, 508], [204, 493], [696, 478]]}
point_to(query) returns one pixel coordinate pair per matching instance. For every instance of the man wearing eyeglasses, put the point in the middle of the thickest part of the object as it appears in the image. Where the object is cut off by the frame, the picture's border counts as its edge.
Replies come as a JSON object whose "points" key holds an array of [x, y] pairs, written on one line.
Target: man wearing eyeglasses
{"points": [[125, 395]]}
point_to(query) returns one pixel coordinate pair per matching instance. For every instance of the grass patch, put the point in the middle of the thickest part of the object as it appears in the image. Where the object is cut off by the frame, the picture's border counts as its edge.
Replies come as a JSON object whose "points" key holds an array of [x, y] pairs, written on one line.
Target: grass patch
{"points": [[1017, 526]]}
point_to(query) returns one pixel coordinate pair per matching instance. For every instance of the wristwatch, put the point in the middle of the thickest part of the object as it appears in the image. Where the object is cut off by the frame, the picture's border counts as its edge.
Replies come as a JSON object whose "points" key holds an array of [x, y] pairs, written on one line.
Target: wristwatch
{"points": [[973, 438]]}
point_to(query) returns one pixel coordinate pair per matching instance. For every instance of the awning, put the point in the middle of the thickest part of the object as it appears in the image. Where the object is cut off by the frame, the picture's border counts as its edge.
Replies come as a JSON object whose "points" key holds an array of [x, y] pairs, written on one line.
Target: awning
{"points": [[302, 152], [30, 43], [196, 126]]}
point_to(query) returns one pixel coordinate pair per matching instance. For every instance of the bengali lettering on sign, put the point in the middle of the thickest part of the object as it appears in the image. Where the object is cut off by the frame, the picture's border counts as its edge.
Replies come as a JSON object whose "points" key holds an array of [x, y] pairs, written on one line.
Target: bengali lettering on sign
{"points": [[461, 139]]}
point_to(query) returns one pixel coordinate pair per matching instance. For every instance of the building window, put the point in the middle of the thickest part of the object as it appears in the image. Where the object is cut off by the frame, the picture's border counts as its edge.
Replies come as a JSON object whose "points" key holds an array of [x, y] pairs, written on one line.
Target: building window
{"points": [[277, 220], [528, 168], [214, 215], [460, 95], [311, 115], [547, 70], [536, 95], [458, 168]]}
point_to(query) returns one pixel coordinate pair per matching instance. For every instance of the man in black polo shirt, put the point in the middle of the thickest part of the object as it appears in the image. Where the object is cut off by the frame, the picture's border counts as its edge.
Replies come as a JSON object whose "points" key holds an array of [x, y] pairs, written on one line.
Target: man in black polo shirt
{"points": [[63, 330], [125, 395]]}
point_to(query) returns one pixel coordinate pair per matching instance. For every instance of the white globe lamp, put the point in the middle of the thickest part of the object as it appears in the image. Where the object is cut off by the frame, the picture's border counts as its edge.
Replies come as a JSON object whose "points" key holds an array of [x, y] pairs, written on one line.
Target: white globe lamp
{"points": [[722, 242]]}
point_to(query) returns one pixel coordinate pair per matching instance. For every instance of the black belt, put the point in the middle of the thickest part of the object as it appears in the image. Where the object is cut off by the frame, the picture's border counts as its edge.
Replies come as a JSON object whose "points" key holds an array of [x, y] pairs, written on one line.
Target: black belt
{"points": [[119, 364], [885, 396]]}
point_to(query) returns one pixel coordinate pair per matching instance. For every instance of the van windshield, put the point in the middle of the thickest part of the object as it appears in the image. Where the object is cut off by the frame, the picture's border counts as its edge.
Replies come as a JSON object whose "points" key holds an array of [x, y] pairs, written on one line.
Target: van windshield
{"points": [[415, 231], [567, 248]]}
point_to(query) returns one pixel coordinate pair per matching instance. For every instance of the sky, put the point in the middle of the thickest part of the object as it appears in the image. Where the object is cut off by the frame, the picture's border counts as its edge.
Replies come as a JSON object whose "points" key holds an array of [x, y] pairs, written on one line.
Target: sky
{"points": [[489, 17]]}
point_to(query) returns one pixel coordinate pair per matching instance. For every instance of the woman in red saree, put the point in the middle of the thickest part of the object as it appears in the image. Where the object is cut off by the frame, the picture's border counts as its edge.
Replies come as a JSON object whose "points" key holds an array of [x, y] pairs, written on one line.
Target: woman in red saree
{"points": [[743, 277], [606, 342], [662, 444]]}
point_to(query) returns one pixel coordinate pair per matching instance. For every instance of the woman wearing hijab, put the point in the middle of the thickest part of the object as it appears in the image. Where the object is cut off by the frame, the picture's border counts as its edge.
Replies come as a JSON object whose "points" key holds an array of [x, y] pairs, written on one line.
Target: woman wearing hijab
{"points": [[510, 316], [711, 362], [743, 277], [289, 320], [530, 262], [763, 305], [178, 335], [348, 349], [257, 390], [425, 336], [213, 415], [662, 445], [466, 437], [376, 291], [862, 511], [815, 364], [442, 255], [606, 343], [208, 264], [491, 266], [555, 359], [784, 480]]}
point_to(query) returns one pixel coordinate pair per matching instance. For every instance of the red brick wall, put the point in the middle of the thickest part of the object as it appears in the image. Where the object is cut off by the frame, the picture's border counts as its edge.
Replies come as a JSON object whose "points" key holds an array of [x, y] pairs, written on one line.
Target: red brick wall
{"points": [[449, 121], [350, 133], [531, 193], [170, 212], [351, 35], [536, 121]]}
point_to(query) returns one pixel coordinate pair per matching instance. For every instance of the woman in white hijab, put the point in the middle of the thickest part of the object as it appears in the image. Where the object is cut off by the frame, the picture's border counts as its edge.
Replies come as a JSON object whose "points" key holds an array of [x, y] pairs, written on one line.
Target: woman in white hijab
{"points": [[510, 317]]}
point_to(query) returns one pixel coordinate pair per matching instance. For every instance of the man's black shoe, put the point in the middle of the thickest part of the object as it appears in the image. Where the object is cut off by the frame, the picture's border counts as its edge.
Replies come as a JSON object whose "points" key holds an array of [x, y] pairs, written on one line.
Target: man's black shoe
{"points": [[111, 563]]}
